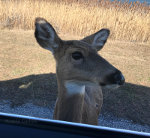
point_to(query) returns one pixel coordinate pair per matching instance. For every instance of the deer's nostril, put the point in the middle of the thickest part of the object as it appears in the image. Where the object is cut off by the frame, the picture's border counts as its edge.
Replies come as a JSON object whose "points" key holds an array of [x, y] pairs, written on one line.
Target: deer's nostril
{"points": [[119, 78]]}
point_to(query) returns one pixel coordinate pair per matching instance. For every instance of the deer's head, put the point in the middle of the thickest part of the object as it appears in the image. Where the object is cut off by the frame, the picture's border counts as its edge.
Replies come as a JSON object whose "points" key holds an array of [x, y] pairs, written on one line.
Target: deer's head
{"points": [[78, 59]]}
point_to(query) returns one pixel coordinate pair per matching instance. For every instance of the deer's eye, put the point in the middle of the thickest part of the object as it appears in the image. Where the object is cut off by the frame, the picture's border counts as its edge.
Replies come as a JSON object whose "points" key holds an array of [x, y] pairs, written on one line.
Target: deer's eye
{"points": [[77, 55]]}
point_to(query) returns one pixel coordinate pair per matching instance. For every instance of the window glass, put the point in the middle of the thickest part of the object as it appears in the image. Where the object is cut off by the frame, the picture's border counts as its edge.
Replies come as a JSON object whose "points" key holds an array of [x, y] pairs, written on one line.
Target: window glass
{"points": [[97, 82]]}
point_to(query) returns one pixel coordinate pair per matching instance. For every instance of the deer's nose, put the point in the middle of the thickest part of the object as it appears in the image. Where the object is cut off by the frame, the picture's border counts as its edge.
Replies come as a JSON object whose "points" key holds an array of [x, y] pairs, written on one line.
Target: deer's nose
{"points": [[119, 78]]}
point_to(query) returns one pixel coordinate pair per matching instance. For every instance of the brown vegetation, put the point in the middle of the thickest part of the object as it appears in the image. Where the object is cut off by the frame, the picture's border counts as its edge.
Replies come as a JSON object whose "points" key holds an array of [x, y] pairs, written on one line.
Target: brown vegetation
{"points": [[21, 56], [127, 21], [25, 75]]}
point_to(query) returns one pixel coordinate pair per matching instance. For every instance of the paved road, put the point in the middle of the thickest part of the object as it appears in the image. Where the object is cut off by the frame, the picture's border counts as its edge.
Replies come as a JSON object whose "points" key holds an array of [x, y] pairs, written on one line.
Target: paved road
{"points": [[104, 120]]}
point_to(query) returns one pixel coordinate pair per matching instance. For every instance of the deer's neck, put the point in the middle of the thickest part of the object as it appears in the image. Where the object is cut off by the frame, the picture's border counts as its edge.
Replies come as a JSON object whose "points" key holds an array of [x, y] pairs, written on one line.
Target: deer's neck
{"points": [[70, 100], [78, 101]]}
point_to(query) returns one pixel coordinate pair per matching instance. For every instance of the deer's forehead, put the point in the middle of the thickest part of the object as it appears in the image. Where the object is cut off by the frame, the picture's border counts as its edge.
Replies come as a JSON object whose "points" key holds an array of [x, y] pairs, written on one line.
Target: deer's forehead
{"points": [[76, 45]]}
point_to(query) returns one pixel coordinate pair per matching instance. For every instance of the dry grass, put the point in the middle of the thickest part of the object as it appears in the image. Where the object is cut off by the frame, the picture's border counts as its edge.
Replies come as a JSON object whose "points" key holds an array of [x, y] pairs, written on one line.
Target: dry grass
{"points": [[21, 56], [27, 73], [126, 22]]}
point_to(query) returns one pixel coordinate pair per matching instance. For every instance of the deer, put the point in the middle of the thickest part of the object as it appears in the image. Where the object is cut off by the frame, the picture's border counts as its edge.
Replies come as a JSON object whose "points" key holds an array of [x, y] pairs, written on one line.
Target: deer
{"points": [[80, 71]]}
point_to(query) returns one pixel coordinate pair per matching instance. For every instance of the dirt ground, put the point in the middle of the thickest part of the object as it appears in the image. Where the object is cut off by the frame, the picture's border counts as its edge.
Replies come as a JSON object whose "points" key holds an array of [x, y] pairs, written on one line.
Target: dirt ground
{"points": [[27, 73]]}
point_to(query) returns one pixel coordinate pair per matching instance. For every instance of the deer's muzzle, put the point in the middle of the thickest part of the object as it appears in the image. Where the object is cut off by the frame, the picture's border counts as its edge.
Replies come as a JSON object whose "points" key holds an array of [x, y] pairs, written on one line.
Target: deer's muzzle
{"points": [[114, 78]]}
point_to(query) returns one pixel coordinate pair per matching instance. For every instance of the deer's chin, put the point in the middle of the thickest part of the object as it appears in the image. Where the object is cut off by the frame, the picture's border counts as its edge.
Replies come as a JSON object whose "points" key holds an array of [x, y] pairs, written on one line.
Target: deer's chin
{"points": [[110, 86]]}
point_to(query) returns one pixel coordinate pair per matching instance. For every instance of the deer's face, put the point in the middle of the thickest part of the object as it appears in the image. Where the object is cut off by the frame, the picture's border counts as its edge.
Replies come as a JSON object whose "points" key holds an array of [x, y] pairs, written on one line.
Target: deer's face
{"points": [[79, 60]]}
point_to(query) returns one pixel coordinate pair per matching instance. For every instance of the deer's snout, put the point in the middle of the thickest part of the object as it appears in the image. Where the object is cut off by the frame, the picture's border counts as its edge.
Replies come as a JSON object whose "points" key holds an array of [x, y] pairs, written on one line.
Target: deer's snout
{"points": [[118, 78], [114, 78]]}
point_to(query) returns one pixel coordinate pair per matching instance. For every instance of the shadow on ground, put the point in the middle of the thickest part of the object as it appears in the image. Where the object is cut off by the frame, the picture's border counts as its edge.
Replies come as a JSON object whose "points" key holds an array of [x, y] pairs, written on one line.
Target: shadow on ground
{"points": [[130, 101], [40, 90]]}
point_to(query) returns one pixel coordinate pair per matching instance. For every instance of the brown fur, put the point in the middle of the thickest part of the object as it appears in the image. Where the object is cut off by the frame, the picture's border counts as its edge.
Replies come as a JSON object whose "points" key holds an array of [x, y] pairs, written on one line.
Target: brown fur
{"points": [[91, 70]]}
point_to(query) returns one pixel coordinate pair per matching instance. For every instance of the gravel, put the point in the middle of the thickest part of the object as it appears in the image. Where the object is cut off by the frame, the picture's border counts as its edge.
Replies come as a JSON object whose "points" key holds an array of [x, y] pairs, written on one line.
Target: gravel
{"points": [[105, 119], [109, 120]]}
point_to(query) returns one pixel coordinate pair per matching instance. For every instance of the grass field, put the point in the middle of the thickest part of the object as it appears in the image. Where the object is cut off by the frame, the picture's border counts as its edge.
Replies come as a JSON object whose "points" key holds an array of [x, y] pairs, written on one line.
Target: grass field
{"points": [[27, 72], [83, 17]]}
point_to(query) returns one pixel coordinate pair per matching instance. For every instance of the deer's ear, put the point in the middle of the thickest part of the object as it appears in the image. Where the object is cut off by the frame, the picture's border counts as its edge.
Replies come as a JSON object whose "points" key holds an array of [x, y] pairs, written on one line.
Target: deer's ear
{"points": [[98, 39], [46, 35]]}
